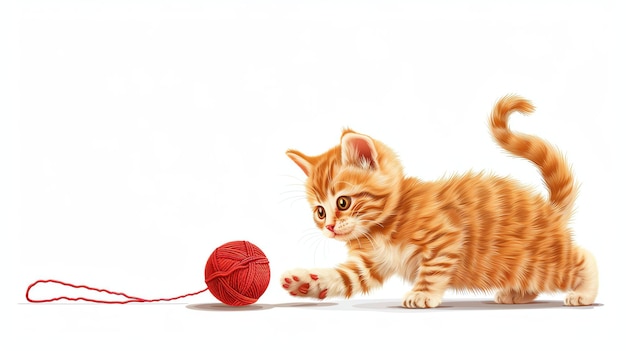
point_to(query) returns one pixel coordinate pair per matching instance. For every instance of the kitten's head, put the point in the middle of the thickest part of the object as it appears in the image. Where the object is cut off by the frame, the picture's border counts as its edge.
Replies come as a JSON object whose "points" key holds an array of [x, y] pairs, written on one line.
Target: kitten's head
{"points": [[353, 187]]}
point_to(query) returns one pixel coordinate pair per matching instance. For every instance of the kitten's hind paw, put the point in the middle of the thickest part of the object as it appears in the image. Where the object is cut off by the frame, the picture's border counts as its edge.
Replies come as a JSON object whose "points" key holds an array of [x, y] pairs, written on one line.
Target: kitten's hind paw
{"points": [[578, 299], [420, 299], [513, 297], [302, 283]]}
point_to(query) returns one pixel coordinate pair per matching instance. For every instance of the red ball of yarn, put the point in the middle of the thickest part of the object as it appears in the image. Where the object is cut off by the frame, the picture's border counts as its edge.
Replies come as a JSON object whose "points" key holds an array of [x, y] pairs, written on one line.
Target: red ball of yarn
{"points": [[237, 273]]}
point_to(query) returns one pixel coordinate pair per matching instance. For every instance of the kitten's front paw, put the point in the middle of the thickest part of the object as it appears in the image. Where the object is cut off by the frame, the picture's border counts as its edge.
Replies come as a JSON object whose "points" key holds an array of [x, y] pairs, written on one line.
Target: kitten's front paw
{"points": [[420, 299], [303, 283]]}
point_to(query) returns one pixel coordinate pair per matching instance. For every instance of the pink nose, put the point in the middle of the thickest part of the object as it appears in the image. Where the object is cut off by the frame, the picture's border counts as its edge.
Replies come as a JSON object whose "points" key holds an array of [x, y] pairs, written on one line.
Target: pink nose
{"points": [[331, 227]]}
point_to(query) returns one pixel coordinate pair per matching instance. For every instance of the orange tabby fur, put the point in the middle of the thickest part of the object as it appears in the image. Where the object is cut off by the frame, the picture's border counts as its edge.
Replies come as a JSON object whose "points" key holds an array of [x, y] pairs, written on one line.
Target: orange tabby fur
{"points": [[470, 232]]}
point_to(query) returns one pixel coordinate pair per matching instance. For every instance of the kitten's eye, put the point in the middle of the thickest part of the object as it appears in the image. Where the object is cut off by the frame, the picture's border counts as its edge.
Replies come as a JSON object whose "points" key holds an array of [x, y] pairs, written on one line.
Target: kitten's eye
{"points": [[321, 213], [343, 203]]}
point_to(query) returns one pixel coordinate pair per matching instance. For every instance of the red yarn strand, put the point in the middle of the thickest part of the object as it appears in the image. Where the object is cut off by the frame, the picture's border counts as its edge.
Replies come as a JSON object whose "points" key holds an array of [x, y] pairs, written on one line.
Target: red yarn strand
{"points": [[129, 298], [237, 273], [242, 265]]}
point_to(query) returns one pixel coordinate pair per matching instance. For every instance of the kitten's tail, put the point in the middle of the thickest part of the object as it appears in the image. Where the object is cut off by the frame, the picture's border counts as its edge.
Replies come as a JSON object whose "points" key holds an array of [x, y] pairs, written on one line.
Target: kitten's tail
{"points": [[556, 173]]}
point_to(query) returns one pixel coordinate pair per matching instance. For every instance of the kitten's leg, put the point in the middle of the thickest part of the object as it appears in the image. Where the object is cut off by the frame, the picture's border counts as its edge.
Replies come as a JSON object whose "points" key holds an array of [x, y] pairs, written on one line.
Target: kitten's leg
{"points": [[353, 277], [513, 296], [585, 284], [432, 280], [439, 254]]}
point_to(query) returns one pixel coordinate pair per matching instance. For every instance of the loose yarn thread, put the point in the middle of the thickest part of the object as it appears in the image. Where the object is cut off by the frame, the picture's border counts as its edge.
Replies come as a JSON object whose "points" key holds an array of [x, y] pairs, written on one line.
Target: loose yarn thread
{"points": [[129, 298], [237, 273]]}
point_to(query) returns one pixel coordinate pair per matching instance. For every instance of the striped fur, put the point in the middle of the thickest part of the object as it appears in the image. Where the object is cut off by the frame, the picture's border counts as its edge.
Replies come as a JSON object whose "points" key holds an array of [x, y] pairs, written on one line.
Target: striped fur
{"points": [[476, 231]]}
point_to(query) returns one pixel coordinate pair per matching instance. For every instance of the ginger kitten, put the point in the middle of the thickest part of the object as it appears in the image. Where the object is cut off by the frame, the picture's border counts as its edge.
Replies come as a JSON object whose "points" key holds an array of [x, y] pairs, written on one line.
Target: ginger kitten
{"points": [[469, 232]]}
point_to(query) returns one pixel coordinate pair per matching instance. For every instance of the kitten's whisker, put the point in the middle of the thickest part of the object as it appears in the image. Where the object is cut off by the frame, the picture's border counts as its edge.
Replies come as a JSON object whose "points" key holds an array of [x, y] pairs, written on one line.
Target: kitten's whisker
{"points": [[316, 246], [373, 222], [298, 197], [325, 248], [294, 200], [299, 191], [358, 240], [310, 234], [290, 176], [368, 236]]}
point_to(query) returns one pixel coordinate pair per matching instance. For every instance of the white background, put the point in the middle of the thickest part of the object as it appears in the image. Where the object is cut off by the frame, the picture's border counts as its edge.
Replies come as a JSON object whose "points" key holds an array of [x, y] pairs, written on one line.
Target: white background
{"points": [[138, 136]]}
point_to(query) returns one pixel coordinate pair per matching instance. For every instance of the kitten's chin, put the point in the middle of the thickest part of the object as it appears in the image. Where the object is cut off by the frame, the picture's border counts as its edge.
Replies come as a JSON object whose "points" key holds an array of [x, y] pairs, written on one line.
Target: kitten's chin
{"points": [[337, 236], [340, 237], [345, 237]]}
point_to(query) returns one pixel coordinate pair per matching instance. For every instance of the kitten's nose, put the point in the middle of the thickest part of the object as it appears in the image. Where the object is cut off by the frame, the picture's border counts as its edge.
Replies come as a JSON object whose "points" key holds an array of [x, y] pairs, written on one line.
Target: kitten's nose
{"points": [[331, 227]]}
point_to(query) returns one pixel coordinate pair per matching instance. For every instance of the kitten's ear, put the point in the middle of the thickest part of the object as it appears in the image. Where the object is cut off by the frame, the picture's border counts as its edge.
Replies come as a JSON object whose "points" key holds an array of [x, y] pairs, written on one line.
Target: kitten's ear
{"points": [[358, 150], [303, 161]]}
